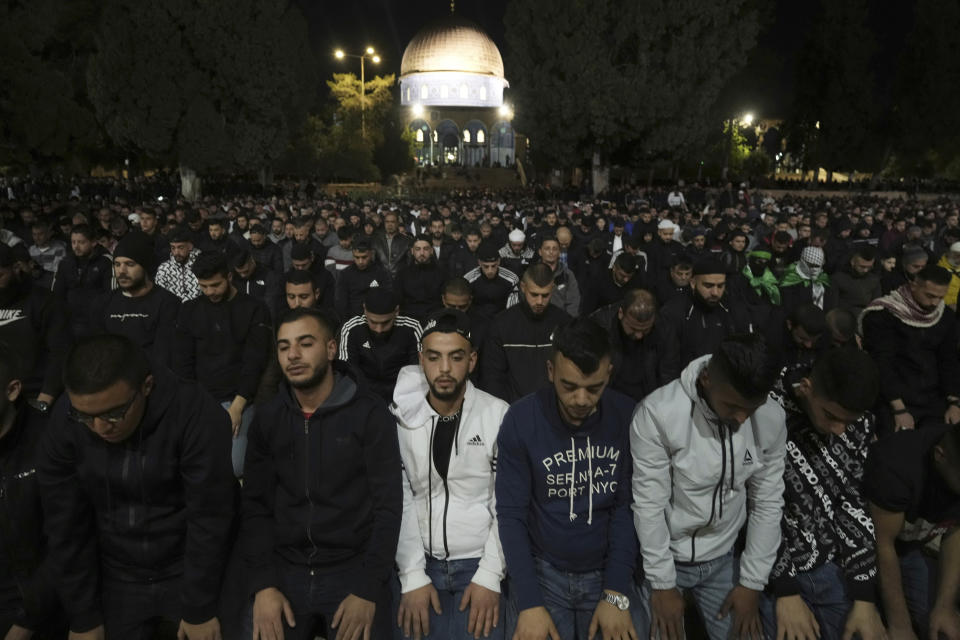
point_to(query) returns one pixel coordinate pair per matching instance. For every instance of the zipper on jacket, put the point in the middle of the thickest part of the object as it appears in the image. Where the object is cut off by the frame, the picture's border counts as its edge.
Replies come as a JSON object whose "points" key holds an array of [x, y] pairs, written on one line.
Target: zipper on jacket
{"points": [[446, 503], [306, 485]]}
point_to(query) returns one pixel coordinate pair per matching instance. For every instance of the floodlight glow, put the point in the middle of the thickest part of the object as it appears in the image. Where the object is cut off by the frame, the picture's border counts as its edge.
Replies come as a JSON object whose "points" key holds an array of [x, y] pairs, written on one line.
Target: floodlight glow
{"points": [[338, 54], [369, 51], [417, 110], [376, 59], [748, 119]]}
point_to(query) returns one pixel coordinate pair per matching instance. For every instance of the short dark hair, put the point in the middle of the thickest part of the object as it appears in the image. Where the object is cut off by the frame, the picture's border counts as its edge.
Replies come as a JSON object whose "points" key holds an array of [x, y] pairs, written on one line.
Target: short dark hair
{"points": [[328, 322], [842, 322], [810, 317], [538, 274], [345, 232], [84, 230], [746, 363], [457, 287], [935, 274], [216, 222], [97, 362], [210, 264], [626, 263], [299, 276], [583, 342], [847, 376], [240, 258], [866, 252]]}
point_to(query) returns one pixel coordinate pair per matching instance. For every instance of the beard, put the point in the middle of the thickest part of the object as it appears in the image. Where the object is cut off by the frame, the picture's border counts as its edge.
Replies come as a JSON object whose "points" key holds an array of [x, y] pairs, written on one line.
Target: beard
{"points": [[318, 375], [452, 394]]}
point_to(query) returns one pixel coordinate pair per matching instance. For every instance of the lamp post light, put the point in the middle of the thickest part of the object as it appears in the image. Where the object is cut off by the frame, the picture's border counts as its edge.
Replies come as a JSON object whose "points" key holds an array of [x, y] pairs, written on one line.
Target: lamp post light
{"points": [[368, 54]]}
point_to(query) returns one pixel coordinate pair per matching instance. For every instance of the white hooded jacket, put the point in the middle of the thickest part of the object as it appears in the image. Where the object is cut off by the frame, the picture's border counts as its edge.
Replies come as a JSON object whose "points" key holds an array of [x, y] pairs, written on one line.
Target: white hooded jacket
{"points": [[453, 519], [696, 482]]}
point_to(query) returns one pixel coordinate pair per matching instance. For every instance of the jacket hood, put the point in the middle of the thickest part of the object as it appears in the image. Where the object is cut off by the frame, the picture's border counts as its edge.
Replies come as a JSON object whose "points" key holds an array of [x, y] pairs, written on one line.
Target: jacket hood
{"points": [[410, 404], [347, 386], [688, 382]]}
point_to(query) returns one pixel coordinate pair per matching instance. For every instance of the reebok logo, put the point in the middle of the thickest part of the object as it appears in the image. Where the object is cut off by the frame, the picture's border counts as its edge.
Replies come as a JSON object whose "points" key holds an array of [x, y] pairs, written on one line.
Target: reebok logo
{"points": [[366, 345], [747, 458], [374, 283], [476, 441]]}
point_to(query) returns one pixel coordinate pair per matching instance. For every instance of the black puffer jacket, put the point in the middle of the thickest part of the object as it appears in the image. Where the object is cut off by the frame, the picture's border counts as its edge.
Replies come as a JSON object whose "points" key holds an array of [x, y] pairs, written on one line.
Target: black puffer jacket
{"points": [[158, 505], [324, 491]]}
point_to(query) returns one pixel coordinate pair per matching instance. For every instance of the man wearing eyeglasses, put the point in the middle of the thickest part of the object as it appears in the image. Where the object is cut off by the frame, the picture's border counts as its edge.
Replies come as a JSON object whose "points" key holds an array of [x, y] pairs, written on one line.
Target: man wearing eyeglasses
{"points": [[138, 494]]}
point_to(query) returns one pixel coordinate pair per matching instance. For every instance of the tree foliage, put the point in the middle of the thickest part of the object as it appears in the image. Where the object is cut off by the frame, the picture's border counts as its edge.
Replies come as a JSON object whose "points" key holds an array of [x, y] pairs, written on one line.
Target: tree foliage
{"points": [[376, 102], [44, 115], [928, 98], [209, 84], [604, 75], [833, 121]]}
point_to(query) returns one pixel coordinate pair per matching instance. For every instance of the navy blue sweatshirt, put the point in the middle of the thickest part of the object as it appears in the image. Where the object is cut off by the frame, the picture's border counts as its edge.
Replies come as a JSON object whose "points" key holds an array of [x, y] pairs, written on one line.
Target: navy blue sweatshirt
{"points": [[541, 461]]}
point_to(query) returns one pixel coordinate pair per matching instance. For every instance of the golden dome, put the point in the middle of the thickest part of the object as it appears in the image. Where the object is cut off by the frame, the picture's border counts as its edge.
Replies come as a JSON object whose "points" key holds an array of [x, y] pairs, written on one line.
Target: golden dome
{"points": [[452, 44]]}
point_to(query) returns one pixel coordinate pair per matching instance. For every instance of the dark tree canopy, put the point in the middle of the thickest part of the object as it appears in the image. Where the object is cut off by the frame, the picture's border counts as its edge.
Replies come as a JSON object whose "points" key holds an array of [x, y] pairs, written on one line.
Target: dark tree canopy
{"points": [[928, 90], [606, 75], [208, 84], [834, 116], [43, 111]]}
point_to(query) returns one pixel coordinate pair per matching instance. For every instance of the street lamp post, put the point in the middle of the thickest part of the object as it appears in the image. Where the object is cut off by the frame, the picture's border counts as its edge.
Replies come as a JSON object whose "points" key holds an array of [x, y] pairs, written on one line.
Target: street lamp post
{"points": [[372, 55]]}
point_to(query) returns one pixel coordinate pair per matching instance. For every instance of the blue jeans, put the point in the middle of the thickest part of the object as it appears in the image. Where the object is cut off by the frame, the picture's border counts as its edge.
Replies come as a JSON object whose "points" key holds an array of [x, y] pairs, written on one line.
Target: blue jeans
{"points": [[710, 582], [919, 574], [239, 450], [823, 590], [571, 599], [451, 578], [314, 596]]}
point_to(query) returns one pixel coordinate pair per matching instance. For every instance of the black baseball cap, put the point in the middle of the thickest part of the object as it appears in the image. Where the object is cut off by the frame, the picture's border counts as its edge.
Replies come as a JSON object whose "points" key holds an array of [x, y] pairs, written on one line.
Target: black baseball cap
{"points": [[447, 321]]}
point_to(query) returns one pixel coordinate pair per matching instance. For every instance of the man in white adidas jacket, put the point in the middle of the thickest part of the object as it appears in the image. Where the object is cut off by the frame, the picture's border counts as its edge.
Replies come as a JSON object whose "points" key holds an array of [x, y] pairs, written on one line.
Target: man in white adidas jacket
{"points": [[449, 556], [708, 452]]}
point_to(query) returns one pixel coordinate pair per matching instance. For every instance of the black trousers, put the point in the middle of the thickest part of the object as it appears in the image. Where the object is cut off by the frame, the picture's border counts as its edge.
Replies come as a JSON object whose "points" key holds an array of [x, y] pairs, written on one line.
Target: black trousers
{"points": [[141, 610]]}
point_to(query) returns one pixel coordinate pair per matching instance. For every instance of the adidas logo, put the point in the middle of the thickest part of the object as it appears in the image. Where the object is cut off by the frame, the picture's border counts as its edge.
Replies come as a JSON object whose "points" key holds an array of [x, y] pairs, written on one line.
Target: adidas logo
{"points": [[476, 441], [366, 345], [374, 283], [747, 458]]}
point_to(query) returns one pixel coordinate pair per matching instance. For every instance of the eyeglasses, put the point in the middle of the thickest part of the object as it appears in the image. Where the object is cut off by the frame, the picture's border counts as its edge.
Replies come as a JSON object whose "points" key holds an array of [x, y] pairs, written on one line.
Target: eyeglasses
{"points": [[110, 417]]}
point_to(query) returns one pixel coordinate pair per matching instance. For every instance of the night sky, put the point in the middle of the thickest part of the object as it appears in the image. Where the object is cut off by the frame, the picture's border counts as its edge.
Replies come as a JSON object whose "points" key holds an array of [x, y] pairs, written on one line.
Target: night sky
{"points": [[386, 25], [764, 86]]}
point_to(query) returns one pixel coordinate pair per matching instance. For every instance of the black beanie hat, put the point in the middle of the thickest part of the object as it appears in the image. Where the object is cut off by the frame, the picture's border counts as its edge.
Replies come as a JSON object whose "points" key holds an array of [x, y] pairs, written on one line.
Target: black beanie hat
{"points": [[137, 246]]}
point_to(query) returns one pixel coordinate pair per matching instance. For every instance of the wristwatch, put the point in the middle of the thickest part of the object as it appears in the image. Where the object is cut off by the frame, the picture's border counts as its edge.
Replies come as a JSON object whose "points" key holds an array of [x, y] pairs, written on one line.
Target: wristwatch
{"points": [[621, 602]]}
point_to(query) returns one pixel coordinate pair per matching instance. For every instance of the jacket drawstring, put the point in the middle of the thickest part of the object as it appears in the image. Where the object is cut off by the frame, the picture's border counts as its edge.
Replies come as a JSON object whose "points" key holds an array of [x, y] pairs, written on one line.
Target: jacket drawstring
{"points": [[573, 480], [590, 480], [573, 477]]}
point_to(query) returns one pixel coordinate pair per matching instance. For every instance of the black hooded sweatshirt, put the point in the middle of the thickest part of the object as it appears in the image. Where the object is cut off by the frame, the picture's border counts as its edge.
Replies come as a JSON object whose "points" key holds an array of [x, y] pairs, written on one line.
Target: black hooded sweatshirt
{"points": [[159, 505], [27, 577], [323, 491], [32, 324]]}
